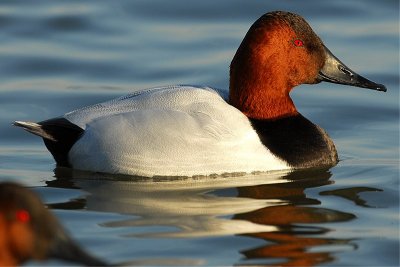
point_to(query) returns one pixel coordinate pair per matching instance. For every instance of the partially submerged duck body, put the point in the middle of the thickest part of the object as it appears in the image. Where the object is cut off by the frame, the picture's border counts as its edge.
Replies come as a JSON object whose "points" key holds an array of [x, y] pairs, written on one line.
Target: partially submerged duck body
{"points": [[188, 131]]}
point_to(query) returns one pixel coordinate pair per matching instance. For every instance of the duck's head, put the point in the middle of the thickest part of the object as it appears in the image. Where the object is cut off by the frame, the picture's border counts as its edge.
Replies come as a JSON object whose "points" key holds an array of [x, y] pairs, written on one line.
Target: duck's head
{"points": [[279, 52], [29, 231]]}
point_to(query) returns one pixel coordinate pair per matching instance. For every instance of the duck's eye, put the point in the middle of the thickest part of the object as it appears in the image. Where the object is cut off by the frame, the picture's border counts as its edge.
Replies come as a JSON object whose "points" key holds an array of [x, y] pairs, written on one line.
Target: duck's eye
{"points": [[298, 42], [22, 216]]}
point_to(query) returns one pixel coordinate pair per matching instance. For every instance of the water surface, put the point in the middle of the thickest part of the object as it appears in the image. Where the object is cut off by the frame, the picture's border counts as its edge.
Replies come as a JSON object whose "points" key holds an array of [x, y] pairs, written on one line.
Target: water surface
{"points": [[60, 55]]}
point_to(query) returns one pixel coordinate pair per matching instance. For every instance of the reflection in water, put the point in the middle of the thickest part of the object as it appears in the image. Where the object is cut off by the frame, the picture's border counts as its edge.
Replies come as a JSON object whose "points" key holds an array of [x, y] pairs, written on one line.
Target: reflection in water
{"points": [[352, 194], [295, 238], [271, 207]]}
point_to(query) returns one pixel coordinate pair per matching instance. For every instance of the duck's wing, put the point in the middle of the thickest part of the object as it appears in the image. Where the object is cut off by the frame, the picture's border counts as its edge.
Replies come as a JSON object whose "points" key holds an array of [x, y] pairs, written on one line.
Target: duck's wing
{"points": [[60, 134], [161, 98]]}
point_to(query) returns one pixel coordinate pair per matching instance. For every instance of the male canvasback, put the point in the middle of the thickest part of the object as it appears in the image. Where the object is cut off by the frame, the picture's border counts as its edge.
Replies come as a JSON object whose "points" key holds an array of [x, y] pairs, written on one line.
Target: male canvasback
{"points": [[28, 231], [190, 131]]}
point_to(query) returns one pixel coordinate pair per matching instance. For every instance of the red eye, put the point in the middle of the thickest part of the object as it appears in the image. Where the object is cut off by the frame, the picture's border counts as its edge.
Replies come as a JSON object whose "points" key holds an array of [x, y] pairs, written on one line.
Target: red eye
{"points": [[298, 42], [23, 216]]}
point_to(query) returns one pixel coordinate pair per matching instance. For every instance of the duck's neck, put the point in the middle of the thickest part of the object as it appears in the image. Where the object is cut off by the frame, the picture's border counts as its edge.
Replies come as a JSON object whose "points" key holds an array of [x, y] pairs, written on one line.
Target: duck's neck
{"points": [[261, 99], [255, 103]]}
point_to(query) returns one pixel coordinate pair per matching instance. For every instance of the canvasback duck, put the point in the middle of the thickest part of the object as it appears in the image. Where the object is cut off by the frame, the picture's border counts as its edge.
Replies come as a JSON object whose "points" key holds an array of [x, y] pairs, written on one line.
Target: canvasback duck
{"points": [[28, 231], [190, 131]]}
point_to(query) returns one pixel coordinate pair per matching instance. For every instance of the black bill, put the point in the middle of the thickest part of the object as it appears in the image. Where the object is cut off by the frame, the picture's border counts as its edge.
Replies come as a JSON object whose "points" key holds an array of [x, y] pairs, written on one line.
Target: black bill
{"points": [[335, 71]]}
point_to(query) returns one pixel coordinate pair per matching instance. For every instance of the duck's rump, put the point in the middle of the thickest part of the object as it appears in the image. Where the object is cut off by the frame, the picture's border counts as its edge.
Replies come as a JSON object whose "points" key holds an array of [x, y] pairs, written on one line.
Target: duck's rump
{"points": [[58, 134]]}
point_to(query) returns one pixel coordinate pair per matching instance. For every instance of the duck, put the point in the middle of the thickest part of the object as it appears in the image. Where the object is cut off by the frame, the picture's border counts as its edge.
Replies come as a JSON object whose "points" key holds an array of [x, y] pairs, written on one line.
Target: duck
{"points": [[29, 231], [186, 130]]}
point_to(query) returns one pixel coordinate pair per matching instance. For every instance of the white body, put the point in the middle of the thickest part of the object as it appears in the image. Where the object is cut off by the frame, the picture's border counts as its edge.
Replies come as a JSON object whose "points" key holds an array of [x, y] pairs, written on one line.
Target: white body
{"points": [[168, 131]]}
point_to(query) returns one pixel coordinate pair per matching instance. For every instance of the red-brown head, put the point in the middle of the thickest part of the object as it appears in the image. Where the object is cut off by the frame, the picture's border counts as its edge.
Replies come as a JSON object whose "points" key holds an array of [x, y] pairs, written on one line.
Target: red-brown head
{"points": [[29, 231], [279, 52]]}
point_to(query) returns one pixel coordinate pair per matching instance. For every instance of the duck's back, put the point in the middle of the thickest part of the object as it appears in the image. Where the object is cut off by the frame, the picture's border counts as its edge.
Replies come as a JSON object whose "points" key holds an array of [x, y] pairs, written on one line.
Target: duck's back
{"points": [[172, 131]]}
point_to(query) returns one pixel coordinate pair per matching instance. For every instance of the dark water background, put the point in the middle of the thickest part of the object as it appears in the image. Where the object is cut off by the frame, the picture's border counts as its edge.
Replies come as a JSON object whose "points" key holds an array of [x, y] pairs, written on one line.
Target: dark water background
{"points": [[59, 55]]}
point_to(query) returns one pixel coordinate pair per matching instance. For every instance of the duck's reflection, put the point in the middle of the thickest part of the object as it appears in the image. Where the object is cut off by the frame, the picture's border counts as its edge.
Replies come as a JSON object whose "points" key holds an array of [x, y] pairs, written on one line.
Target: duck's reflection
{"points": [[272, 207], [299, 225]]}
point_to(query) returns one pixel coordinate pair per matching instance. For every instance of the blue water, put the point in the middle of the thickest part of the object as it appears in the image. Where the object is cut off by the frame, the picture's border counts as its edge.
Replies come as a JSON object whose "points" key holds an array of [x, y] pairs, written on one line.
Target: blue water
{"points": [[60, 55]]}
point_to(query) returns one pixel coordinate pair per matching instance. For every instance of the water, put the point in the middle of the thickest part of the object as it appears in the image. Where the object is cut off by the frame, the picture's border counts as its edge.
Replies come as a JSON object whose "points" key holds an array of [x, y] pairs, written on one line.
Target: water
{"points": [[61, 55]]}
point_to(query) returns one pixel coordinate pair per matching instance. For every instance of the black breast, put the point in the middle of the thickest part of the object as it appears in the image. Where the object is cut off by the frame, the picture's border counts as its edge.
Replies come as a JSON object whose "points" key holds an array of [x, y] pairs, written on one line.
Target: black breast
{"points": [[297, 141]]}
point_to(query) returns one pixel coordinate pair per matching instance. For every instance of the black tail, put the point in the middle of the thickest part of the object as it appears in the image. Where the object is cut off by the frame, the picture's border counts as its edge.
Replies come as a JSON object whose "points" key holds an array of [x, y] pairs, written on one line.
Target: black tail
{"points": [[58, 134]]}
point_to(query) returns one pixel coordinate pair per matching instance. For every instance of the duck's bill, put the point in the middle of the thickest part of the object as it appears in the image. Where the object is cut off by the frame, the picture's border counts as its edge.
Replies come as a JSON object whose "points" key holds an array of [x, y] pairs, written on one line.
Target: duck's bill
{"points": [[335, 71]]}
